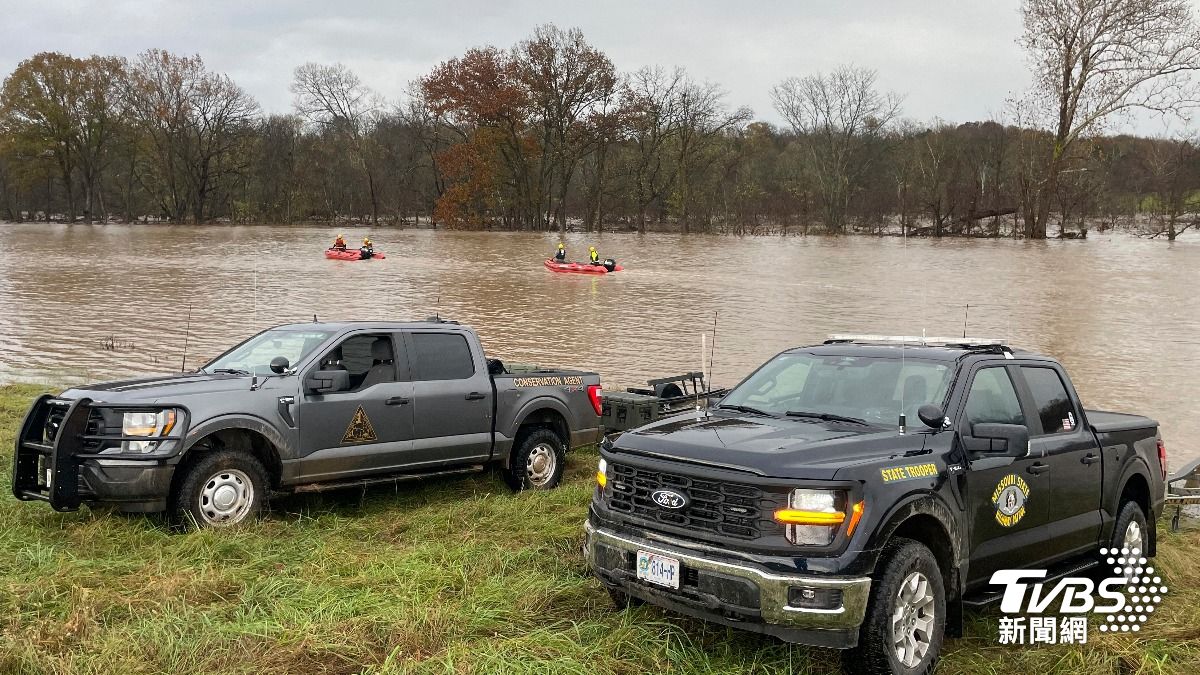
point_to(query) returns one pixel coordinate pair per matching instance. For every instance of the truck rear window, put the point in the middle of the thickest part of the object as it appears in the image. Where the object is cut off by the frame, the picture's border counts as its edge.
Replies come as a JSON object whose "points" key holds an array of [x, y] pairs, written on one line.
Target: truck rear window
{"points": [[441, 356]]}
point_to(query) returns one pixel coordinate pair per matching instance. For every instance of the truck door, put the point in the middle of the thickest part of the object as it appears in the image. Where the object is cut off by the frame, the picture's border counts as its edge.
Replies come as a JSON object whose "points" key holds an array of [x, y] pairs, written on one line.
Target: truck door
{"points": [[452, 397], [1008, 499], [1057, 433], [366, 429]]}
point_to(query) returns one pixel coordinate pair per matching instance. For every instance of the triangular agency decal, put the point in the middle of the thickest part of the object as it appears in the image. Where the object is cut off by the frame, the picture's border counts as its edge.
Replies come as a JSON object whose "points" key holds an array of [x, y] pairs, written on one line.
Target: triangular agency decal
{"points": [[360, 429]]}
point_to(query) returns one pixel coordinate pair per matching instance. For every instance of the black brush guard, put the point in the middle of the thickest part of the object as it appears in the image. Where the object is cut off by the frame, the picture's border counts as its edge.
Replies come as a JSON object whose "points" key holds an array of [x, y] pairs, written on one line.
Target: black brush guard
{"points": [[48, 470]]}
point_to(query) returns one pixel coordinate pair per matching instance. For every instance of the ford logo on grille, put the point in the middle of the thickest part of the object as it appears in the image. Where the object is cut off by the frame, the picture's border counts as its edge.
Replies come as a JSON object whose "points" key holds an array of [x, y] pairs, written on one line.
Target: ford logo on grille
{"points": [[669, 499]]}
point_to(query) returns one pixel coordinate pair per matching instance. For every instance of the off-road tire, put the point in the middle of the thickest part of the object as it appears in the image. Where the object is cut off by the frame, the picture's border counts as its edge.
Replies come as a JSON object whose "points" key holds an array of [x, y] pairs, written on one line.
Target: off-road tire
{"points": [[623, 600], [1130, 512], [547, 445], [236, 469], [875, 654]]}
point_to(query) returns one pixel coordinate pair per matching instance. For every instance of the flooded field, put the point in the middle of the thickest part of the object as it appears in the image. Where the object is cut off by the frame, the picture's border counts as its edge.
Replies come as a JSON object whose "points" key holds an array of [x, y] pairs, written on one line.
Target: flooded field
{"points": [[90, 302]]}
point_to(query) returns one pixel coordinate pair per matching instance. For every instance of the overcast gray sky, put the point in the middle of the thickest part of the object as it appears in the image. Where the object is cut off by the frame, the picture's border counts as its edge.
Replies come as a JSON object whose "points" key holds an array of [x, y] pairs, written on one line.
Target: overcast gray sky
{"points": [[957, 60]]}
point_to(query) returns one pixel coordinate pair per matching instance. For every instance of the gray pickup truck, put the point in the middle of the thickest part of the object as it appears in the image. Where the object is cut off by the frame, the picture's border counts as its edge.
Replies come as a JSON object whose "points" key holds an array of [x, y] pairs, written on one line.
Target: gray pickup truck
{"points": [[300, 408]]}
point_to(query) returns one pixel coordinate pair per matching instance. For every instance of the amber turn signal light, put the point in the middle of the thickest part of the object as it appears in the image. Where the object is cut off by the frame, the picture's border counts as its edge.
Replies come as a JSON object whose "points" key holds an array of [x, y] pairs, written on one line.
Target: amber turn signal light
{"points": [[798, 517]]}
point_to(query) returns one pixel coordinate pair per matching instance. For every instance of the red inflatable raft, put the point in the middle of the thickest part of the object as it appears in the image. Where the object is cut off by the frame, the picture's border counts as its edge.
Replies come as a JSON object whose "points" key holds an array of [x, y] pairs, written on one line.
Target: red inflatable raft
{"points": [[578, 268], [350, 254]]}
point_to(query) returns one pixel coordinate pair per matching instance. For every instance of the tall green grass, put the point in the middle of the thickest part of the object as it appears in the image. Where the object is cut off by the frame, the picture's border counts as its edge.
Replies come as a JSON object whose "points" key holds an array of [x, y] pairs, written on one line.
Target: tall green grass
{"points": [[448, 576]]}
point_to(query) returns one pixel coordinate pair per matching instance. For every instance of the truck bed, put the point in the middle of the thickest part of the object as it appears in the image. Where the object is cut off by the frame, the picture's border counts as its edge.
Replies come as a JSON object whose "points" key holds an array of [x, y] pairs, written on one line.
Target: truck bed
{"points": [[1108, 422]]}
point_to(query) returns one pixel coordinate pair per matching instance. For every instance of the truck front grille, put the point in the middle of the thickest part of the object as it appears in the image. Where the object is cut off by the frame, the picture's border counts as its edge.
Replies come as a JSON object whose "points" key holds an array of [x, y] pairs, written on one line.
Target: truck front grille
{"points": [[55, 417], [728, 509]]}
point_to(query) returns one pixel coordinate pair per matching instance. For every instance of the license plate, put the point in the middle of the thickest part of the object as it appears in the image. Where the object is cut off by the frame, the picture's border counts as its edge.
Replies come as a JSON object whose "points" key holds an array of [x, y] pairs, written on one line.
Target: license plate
{"points": [[658, 569]]}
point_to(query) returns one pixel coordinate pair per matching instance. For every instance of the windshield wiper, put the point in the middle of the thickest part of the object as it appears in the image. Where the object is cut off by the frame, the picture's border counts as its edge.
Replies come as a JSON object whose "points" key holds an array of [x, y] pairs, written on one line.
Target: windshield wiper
{"points": [[828, 417], [231, 371], [746, 409]]}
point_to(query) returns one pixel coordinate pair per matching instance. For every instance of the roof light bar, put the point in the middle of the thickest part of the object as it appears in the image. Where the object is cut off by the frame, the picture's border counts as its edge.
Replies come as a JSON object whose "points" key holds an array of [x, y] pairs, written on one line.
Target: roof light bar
{"points": [[917, 340]]}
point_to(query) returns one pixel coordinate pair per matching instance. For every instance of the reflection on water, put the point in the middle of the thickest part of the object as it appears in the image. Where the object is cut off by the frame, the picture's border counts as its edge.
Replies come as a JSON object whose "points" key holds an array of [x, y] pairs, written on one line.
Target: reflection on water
{"points": [[95, 302]]}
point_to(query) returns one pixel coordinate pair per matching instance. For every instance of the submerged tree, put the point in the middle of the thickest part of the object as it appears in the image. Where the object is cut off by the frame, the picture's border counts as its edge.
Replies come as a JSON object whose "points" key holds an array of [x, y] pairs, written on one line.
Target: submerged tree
{"points": [[335, 99], [197, 125], [1174, 171], [569, 83], [1094, 59], [840, 119]]}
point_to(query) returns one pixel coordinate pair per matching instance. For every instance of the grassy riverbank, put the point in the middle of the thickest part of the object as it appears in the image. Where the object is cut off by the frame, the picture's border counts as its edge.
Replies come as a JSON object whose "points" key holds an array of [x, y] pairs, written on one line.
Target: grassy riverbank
{"points": [[452, 576]]}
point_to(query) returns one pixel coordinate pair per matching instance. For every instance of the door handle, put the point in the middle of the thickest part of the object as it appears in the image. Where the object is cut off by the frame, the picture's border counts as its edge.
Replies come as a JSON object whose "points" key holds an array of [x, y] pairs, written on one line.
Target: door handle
{"points": [[1038, 468], [475, 396], [1090, 458], [396, 400]]}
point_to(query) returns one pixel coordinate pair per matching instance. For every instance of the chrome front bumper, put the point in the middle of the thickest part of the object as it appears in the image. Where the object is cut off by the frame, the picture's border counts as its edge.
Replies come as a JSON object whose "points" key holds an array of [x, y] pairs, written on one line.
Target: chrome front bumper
{"points": [[773, 589]]}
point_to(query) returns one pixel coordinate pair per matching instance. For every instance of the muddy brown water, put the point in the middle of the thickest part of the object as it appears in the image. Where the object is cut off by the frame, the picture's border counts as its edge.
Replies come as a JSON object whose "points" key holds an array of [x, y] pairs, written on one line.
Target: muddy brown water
{"points": [[91, 302]]}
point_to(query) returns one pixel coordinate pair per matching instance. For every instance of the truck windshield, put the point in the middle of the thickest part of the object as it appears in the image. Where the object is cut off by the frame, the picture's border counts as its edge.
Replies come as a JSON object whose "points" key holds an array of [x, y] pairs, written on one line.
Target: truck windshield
{"points": [[871, 389], [254, 355]]}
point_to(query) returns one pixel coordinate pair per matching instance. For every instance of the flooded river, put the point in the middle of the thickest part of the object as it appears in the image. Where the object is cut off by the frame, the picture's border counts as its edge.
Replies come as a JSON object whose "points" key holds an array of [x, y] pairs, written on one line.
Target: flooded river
{"points": [[89, 302]]}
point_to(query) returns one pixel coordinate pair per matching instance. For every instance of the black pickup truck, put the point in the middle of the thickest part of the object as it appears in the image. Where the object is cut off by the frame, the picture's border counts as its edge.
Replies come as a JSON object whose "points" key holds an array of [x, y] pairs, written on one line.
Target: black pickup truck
{"points": [[298, 408], [859, 493]]}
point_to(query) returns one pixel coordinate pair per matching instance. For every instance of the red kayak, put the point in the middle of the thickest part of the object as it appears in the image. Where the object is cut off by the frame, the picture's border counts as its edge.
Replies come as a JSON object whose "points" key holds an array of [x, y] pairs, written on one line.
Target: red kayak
{"points": [[349, 254], [578, 268]]}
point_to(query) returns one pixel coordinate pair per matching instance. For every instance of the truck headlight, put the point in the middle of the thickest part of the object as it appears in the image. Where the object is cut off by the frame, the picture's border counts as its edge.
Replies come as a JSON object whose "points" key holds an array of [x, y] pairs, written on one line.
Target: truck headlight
{"points": [[602, 473], [813, 517], [151, 424]]}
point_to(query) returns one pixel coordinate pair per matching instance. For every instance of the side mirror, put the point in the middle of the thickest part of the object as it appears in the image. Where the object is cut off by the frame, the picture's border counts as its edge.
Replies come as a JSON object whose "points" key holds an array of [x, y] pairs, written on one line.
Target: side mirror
{"points": [[931, 415], [279, 365], [1011, 440], [327, 381]]}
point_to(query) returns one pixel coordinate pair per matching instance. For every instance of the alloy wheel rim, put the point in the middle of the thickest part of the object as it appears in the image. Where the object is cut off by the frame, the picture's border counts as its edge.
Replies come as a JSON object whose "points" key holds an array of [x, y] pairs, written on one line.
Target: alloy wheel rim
{"points": [[541, 465], [913, 620], [1133, 537], [226, 498], [1132, 542]]}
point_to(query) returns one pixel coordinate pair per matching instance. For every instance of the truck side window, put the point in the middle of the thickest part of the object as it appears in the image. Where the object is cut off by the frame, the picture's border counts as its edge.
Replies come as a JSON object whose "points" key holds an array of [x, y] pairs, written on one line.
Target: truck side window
{"points": [[1050, 396], [993, 399], [369, 358], [441, 356]]}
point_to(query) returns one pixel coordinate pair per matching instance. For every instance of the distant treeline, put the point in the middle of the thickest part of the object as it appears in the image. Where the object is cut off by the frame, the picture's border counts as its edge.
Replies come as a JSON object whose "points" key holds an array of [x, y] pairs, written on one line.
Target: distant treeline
{"points": [[549, 134]]}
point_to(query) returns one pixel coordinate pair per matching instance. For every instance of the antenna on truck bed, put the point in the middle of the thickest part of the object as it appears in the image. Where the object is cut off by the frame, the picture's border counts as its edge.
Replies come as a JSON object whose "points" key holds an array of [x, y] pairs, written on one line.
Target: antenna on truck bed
{"points": [[712, 354], [903, 345], [187, 330]]}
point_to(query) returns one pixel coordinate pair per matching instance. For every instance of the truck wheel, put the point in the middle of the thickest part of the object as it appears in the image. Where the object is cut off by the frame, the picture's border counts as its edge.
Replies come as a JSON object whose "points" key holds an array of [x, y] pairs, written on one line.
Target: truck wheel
{"points": [[1131, 530], [537, 461], [219, 489], [906, 615]]}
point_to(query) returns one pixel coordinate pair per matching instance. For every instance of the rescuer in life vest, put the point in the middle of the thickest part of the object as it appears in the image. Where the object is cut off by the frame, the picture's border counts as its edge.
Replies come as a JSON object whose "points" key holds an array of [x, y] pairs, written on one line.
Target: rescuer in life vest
{"points": [[368, 249], [561, 254], [594, 259], [339, 244]]}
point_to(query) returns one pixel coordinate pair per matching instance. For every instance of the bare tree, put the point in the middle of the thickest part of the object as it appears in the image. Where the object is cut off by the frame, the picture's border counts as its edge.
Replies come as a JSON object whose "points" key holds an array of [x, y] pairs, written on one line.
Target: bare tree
{"points": [[433, 136], [1093, 59], [334, 98], [1174, 170], [652, 97], [840, 119], [703, 119], [198, 124]]}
